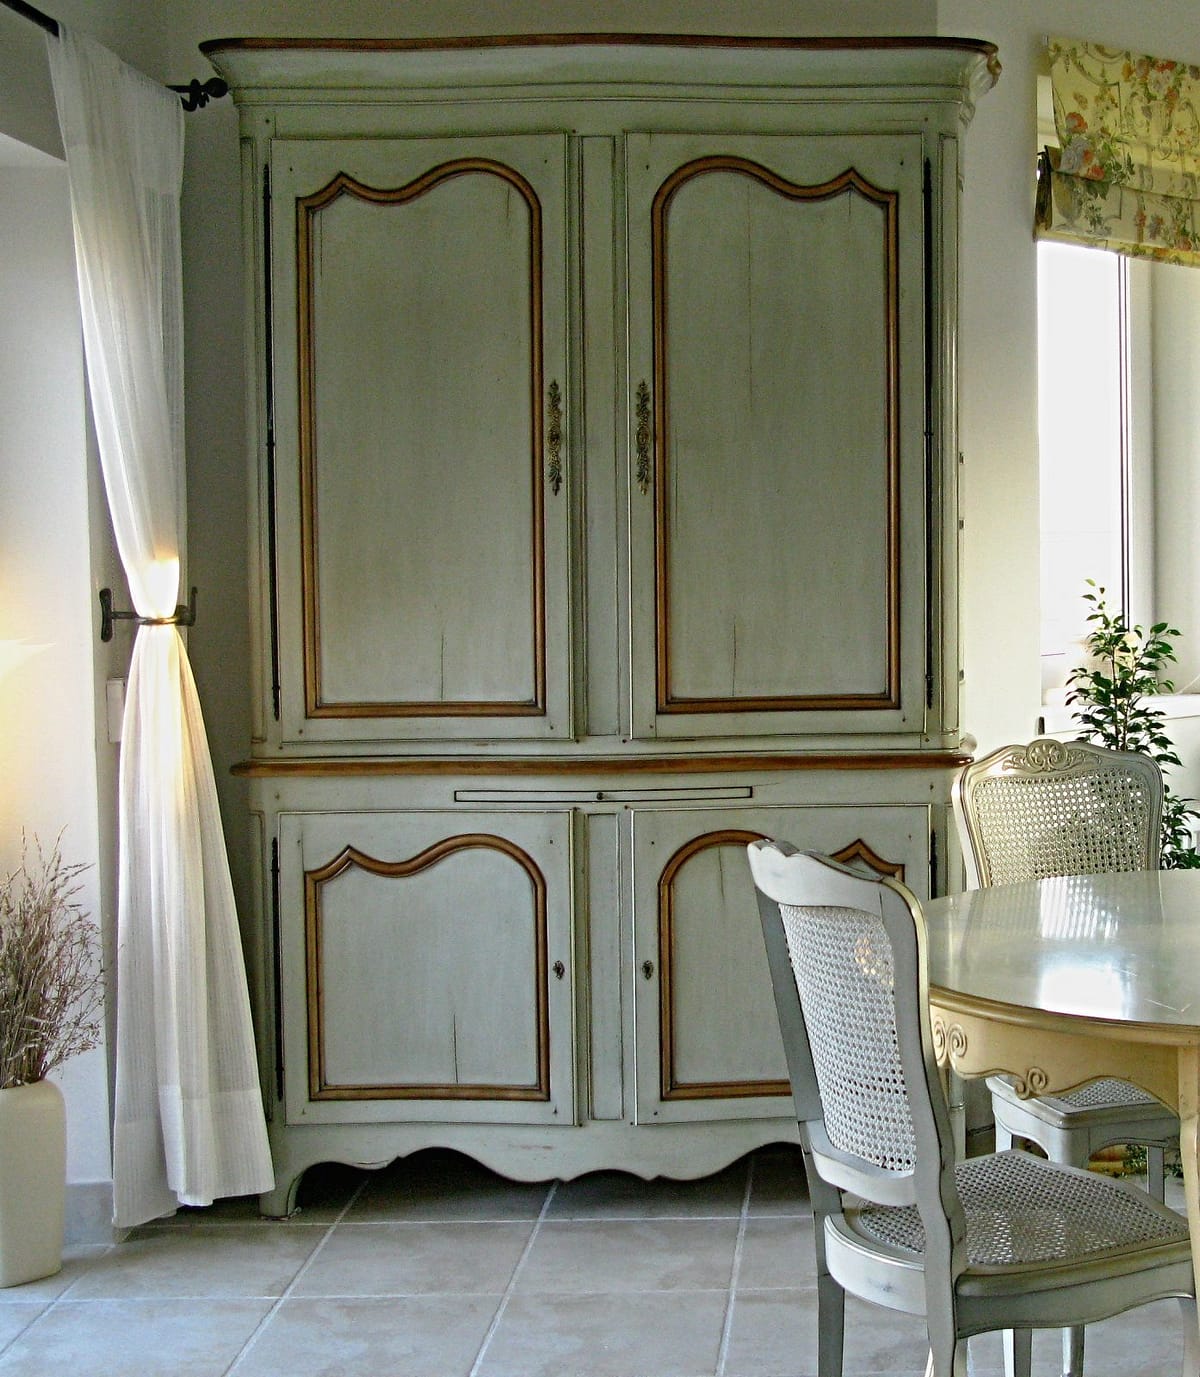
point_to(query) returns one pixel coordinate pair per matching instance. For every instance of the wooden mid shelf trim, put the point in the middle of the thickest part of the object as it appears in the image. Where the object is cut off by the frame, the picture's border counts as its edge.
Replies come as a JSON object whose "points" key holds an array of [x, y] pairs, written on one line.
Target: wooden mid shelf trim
{"points": [[343, 766]]}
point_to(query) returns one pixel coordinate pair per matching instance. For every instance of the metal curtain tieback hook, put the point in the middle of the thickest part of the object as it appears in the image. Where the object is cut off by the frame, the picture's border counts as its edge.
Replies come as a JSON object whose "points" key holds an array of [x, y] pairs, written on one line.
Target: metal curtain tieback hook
{"points": [[184, 615]]}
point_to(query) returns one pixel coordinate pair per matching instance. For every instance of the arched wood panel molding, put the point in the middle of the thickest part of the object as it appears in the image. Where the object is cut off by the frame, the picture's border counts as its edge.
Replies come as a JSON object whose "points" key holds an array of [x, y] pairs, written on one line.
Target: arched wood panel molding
{"points": [[856, 853], [307, 209], [848, 183], [351, 857]]}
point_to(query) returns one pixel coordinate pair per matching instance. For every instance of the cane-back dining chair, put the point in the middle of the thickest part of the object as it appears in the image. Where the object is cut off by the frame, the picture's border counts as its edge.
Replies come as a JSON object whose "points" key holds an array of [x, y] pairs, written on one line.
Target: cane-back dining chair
{"points": [[1002, 1241], [1067, 808]]}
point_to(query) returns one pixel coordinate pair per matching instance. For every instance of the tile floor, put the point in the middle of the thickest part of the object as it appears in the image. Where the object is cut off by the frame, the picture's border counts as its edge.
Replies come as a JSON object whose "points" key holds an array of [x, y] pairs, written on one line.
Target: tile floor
{"points": [[436, 1268]]}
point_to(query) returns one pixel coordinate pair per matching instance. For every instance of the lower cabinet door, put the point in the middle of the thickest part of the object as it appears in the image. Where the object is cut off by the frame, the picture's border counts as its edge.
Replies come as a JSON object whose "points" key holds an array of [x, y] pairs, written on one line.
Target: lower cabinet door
{"points": [[707, 1039], [426, 967]]}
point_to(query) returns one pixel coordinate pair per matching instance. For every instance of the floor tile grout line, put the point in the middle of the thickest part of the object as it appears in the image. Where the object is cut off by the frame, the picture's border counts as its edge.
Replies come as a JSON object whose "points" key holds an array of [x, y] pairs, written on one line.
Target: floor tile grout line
{"points": [[735, 1269], [273, 1310], [33, 1319], [53, 1302], [643, 1218], [485, 1343]]}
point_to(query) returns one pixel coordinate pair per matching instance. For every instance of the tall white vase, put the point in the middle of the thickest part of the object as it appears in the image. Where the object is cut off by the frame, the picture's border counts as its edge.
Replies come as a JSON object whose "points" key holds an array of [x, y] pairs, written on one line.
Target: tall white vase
{"points": [[33, 1181]]}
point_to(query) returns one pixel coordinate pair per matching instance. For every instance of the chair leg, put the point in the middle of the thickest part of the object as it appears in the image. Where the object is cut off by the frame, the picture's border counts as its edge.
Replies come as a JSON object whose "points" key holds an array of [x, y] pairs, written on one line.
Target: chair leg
{"points": [[1155, 1168], [831, 1326], [1076, 1154], [1004, 1139], [1073, 1351], [956, 1103], [1191, 1337], [1018, 1352], [950, 1360]]}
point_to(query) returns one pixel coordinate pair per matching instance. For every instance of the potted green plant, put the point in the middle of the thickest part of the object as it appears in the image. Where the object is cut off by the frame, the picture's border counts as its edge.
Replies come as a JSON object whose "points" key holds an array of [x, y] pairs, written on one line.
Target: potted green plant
{"points": [[51, 1000], [1111, 697]]}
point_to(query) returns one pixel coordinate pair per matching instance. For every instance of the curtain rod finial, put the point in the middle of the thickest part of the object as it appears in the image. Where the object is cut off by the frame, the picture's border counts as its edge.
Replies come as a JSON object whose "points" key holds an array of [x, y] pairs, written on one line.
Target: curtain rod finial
{"points": [[196, 94]]}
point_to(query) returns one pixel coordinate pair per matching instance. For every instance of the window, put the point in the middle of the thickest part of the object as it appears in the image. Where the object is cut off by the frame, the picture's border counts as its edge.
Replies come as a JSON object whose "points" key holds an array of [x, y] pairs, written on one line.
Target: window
{"points": [[1093, 418]]}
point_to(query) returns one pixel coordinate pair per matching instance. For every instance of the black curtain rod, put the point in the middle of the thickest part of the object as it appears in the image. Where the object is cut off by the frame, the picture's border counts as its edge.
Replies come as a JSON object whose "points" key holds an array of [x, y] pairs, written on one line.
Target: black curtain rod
{"points": [[195, 95]]}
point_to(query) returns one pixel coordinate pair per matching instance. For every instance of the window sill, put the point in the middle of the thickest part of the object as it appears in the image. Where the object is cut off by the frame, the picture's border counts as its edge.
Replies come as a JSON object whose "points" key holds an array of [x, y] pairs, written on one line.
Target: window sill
{"points": [[1055, 719]]}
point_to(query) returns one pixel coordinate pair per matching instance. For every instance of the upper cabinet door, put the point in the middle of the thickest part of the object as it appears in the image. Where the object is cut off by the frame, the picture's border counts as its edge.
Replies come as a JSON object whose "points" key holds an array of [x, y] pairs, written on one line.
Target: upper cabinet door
{"points": [[777, 407], [419, 326]]}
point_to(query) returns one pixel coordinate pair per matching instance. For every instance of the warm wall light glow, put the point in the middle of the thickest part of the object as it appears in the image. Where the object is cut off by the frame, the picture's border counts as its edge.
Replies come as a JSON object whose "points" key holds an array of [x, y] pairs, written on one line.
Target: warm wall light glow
{"points": [[14, 653]]}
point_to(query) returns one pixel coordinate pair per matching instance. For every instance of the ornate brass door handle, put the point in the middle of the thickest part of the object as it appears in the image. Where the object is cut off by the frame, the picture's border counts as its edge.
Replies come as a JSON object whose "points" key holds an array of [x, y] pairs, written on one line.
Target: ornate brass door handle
{"points": [[642, 436], [554, 438]]}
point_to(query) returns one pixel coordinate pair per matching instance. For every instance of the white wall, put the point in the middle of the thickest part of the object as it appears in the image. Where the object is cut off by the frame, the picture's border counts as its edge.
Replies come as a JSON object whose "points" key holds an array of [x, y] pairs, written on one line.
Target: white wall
{"points": [[998, 375], [48, 746], [55, 543], [1176, 338]]}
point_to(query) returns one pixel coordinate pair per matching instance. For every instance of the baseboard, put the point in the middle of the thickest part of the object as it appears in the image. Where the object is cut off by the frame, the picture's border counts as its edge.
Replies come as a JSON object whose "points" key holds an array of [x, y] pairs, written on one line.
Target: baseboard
{"points": [[89, 1212]]}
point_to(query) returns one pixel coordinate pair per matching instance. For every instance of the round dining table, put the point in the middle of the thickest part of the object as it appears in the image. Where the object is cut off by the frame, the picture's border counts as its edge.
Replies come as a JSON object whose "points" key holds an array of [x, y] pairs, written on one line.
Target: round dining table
{"points": [[1060, 981]]}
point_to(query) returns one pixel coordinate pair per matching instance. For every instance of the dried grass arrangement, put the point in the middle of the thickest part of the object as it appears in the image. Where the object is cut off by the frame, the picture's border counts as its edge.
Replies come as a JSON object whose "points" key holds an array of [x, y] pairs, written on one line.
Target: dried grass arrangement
{"points": [[51, 978]]}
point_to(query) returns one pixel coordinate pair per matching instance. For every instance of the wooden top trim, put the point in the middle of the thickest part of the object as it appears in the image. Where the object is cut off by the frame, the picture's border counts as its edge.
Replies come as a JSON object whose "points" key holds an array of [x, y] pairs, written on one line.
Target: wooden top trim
{"points": [[646, 40], [342, 766]]}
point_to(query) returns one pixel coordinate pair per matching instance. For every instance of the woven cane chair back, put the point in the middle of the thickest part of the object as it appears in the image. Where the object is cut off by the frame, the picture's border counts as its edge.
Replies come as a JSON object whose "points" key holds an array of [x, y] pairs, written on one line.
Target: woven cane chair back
{"points": [[842, 961], [846, 967], [1058, 808]]}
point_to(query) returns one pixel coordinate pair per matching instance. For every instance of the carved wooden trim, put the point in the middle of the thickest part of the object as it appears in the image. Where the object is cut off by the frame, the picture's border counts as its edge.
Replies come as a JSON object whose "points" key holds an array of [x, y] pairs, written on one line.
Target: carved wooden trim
{"points": [[307, 208], [323, 767], [859, 852], [350, 857], [1049, 1053], [670, 1088], [848, 182]]}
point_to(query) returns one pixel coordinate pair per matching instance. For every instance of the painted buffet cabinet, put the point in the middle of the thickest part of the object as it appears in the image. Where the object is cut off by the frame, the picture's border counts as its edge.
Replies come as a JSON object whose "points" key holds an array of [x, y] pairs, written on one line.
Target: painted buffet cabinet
{"points": [[604, 474]]}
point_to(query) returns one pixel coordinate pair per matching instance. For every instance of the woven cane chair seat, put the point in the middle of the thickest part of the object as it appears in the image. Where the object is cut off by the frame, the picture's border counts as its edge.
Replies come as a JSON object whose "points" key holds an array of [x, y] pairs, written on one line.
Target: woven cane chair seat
{"points": [[1102, 1094], [1022, 1210], [1106, 1092]]}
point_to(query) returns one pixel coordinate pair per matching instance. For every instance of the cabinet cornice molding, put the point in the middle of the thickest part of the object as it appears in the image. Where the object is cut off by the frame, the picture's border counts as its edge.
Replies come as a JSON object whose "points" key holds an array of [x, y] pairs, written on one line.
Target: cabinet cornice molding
{"points": [[281, 70]]}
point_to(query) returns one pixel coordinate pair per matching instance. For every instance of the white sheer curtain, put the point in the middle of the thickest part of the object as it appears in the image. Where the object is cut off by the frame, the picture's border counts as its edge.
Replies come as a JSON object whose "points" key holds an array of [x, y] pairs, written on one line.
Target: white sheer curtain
{"points": [[188, 1117]]}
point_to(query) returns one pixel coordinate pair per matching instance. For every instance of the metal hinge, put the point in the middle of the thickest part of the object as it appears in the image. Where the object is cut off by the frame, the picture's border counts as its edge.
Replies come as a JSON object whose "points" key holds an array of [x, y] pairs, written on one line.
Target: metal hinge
{"points": [[269, 415], [277, 970]]}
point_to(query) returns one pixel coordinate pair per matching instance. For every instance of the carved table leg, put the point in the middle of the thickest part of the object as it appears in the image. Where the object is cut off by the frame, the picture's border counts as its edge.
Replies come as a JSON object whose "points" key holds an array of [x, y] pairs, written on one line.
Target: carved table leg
{"points": [[1189, 1143]]}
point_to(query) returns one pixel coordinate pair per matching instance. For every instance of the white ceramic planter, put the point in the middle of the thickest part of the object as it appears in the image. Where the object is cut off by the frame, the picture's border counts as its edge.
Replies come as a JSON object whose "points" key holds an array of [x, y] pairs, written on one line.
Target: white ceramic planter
{"points": [[33, 1176]]}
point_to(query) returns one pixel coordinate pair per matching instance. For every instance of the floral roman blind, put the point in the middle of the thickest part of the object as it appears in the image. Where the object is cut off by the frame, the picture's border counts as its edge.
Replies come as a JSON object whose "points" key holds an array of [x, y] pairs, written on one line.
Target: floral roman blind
{"points": [[1126, 173]]}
